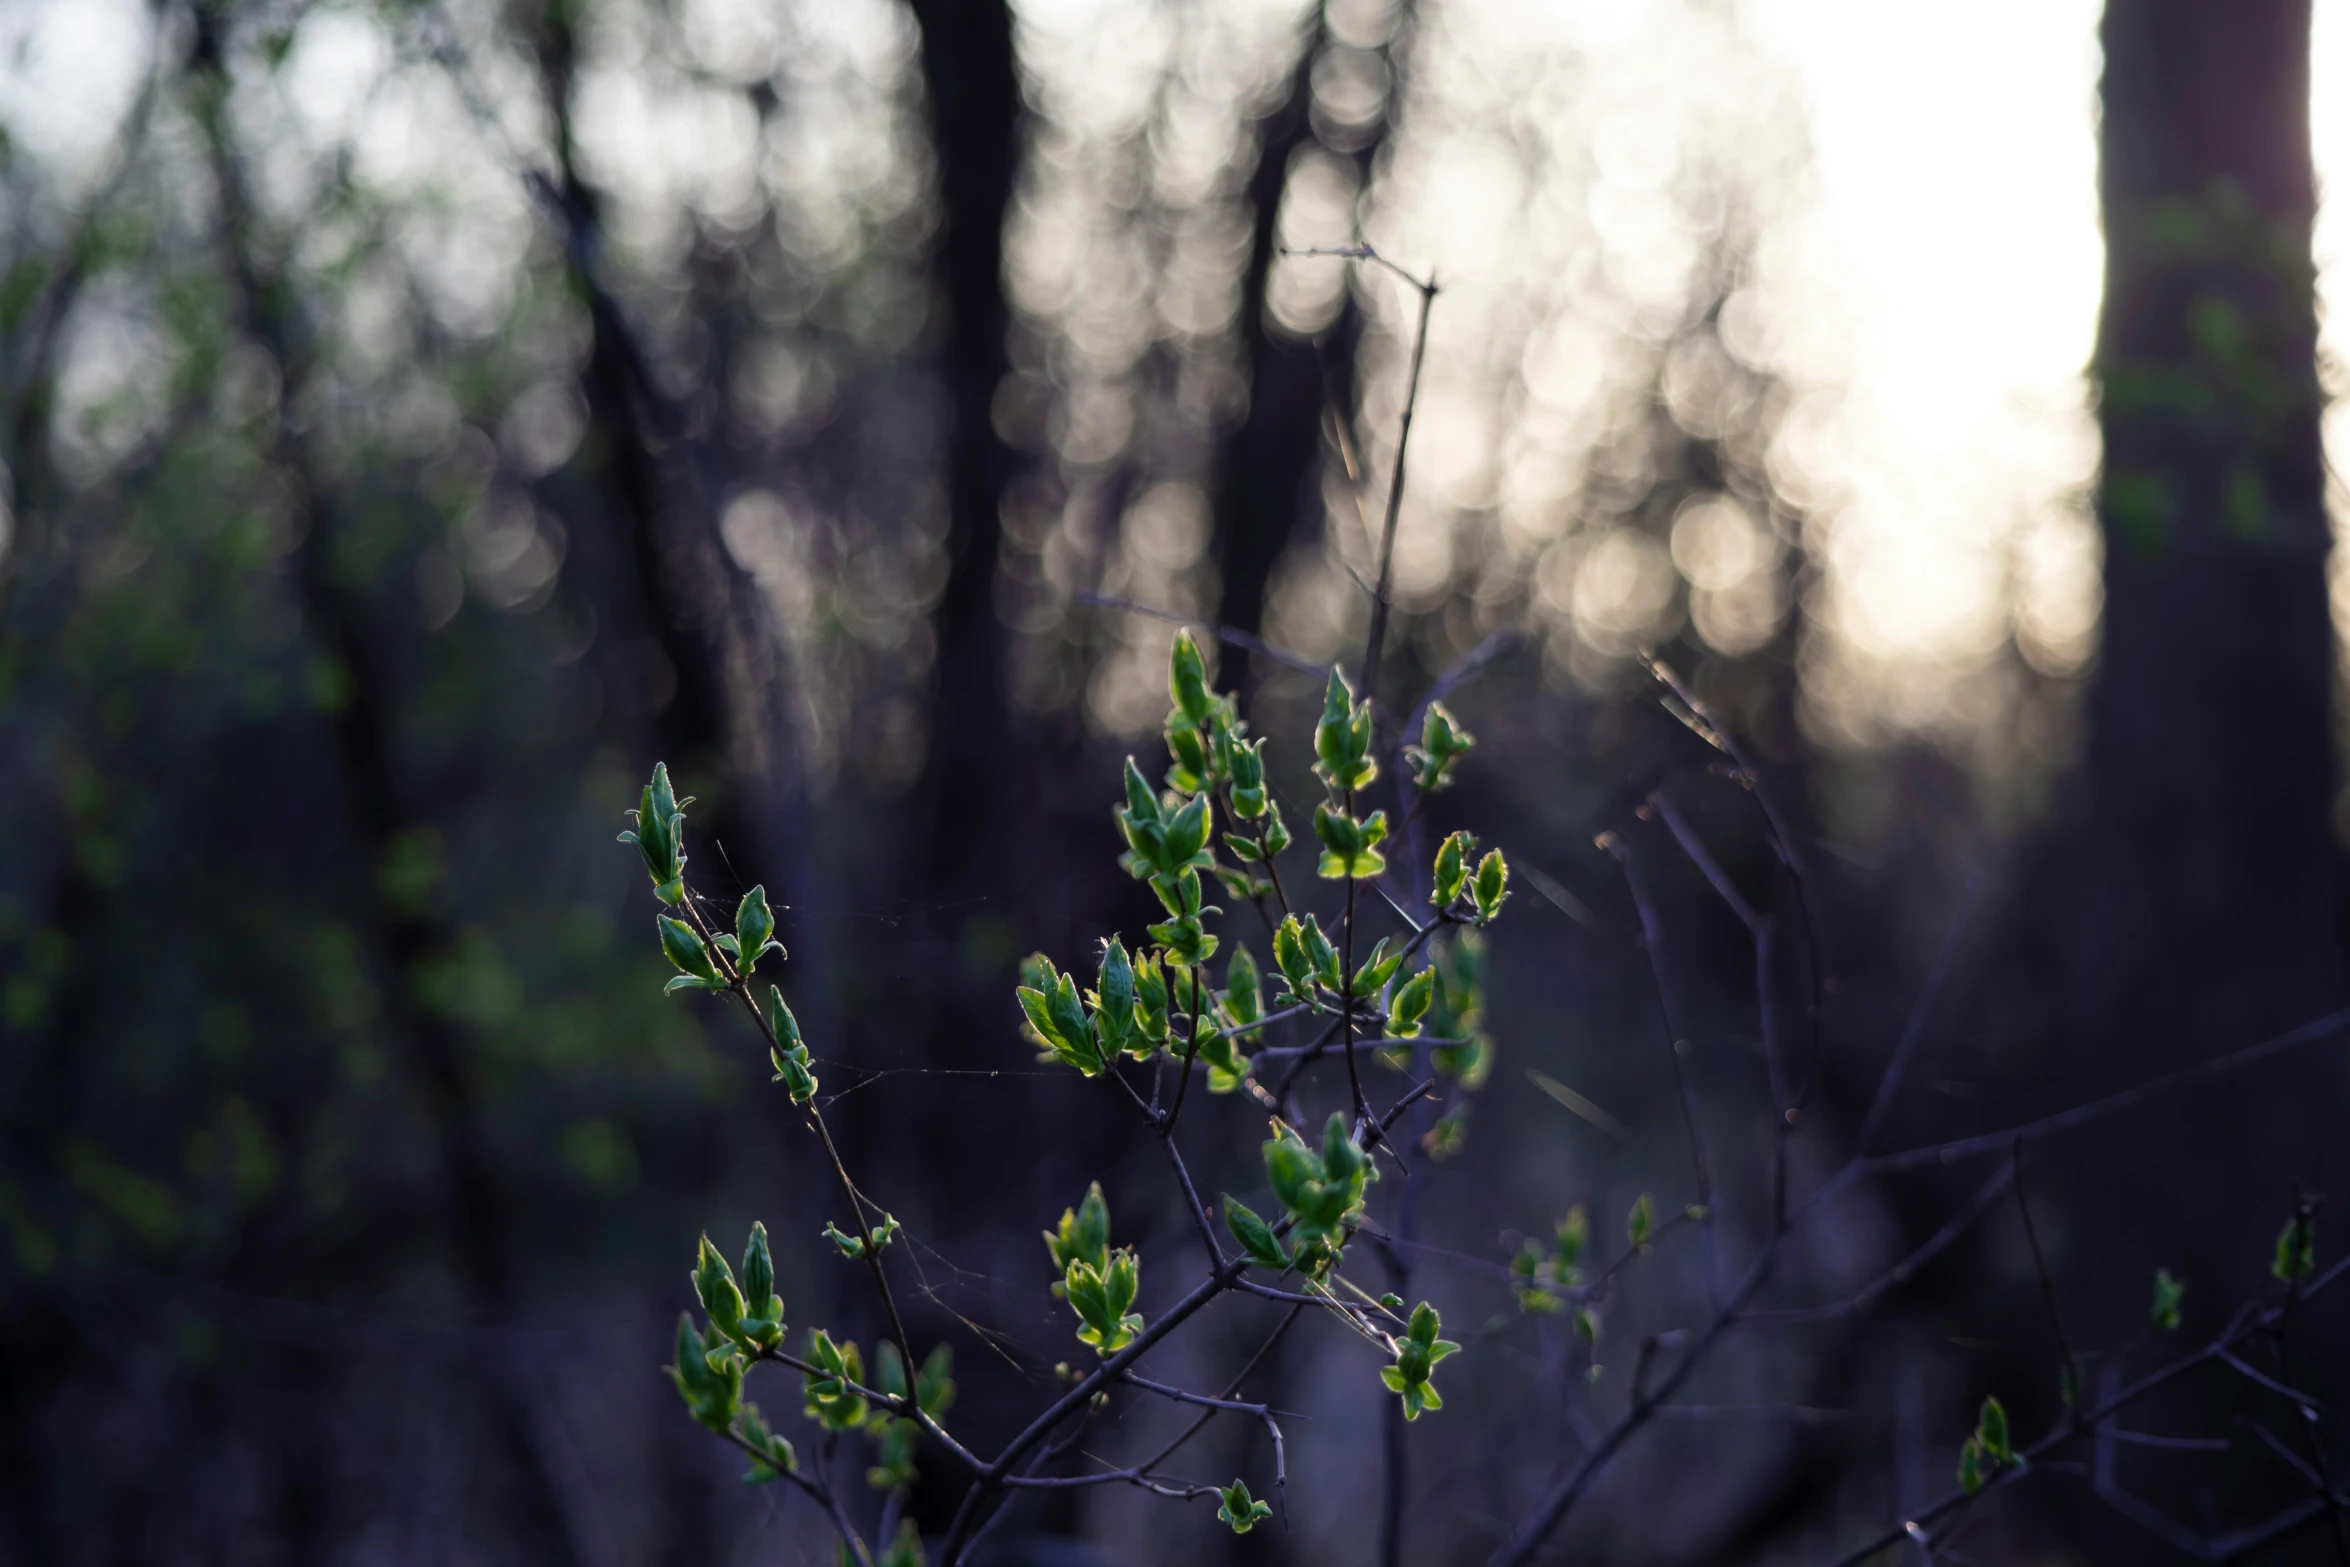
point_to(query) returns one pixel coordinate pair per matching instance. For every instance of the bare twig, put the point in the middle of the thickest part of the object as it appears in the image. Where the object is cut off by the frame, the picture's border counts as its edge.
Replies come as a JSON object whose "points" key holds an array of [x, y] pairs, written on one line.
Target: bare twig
{"points": [[1889, 1085], [1231, 634], [1874, 1292], [2069, 1377], [1652, 942]]}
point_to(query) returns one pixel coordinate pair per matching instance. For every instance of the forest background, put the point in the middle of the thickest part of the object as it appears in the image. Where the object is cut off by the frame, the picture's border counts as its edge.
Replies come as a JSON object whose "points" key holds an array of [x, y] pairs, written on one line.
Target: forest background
{"points": [[417, 418]]}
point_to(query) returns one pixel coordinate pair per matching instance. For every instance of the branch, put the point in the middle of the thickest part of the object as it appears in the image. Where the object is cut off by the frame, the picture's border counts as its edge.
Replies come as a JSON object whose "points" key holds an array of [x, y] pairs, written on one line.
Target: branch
{"points": [[1652, 943], [1901, 1272], [1232, 634], [2246, 1322], [1890, 1084], [2068, 1377], [2112, 1104]]}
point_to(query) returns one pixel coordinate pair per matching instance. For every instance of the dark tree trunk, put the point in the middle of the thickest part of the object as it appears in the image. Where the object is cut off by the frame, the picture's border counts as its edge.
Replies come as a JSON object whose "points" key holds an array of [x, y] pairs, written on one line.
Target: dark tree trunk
{"points": [[633, 576], [1268, 468], [362, 727], [2209, 872], [973, 84], [699, 655], [1265, 477]]}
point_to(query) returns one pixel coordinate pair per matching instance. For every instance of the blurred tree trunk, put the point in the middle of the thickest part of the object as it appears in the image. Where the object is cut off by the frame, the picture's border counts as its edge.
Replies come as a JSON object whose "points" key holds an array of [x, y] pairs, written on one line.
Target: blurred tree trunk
{"points": [[1266, 472], [1268, 468], [409, 934], [2211, 879], [973, 84], [636, 586], [689, 616]]}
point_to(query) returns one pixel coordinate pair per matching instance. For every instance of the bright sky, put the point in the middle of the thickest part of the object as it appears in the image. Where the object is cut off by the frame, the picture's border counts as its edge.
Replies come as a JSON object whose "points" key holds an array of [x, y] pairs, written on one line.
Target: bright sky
{"points": [[1946, 287], [1937, 290]]}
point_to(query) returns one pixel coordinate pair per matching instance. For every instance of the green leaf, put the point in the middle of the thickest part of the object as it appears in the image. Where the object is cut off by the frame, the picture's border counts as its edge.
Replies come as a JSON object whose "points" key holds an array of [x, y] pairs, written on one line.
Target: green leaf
{"points": [[1452, 869], [905, 1550], [1100, 1296], [1571, 1235], [2170, 1296], [1322, 955], [1342, 740], [1642, 1223], [790, 1053], [1319, 1192], [1272, 831], [1289, 956], [1970, 1466], [1150, 1004], [1992, 1434], [1084, 1233], [1373, 973], [1409, 1003], [1244, 760], [934, 1385], [831, 1402], [1187, 835], [722, 1300], [762, 1316], [1142, 801], [754, 930], [1492, 885], [1187, 680], [889, 1370], [1256, 1237], [1350, 848], [1239, 1509], [1193, 762], [1057, 1014], [1113, 1018], [1227, 1067], [776, 1455], [2296, 1256], [1243, 999], [1416, 1356], [684, 949], [712, 1391], [659, 836], [1442, 743], [1449, 1134]]}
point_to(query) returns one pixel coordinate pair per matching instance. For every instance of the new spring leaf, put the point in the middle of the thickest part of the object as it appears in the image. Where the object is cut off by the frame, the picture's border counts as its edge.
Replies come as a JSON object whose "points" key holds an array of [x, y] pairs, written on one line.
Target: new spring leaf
{"points": [[1084, 1234], [684, 948], [1442, 743], [712, 1392], [1319, 1191], [1239, 1509], [761, 1322], [1101, 1297], [1350, 848], [1416, 1355], [832, 1401], [790, 1053], [659, 836], [754, 931], [1491, 887], [1342, 740], [1256, 1237], [1058, 1015]]}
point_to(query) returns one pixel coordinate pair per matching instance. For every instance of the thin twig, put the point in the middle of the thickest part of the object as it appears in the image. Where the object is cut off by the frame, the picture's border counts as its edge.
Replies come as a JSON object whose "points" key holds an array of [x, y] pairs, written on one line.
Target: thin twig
{"points": [[1232, 634], [1881, 1104], [2068, 1378], [1874, 1292], [1652, 941]]}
